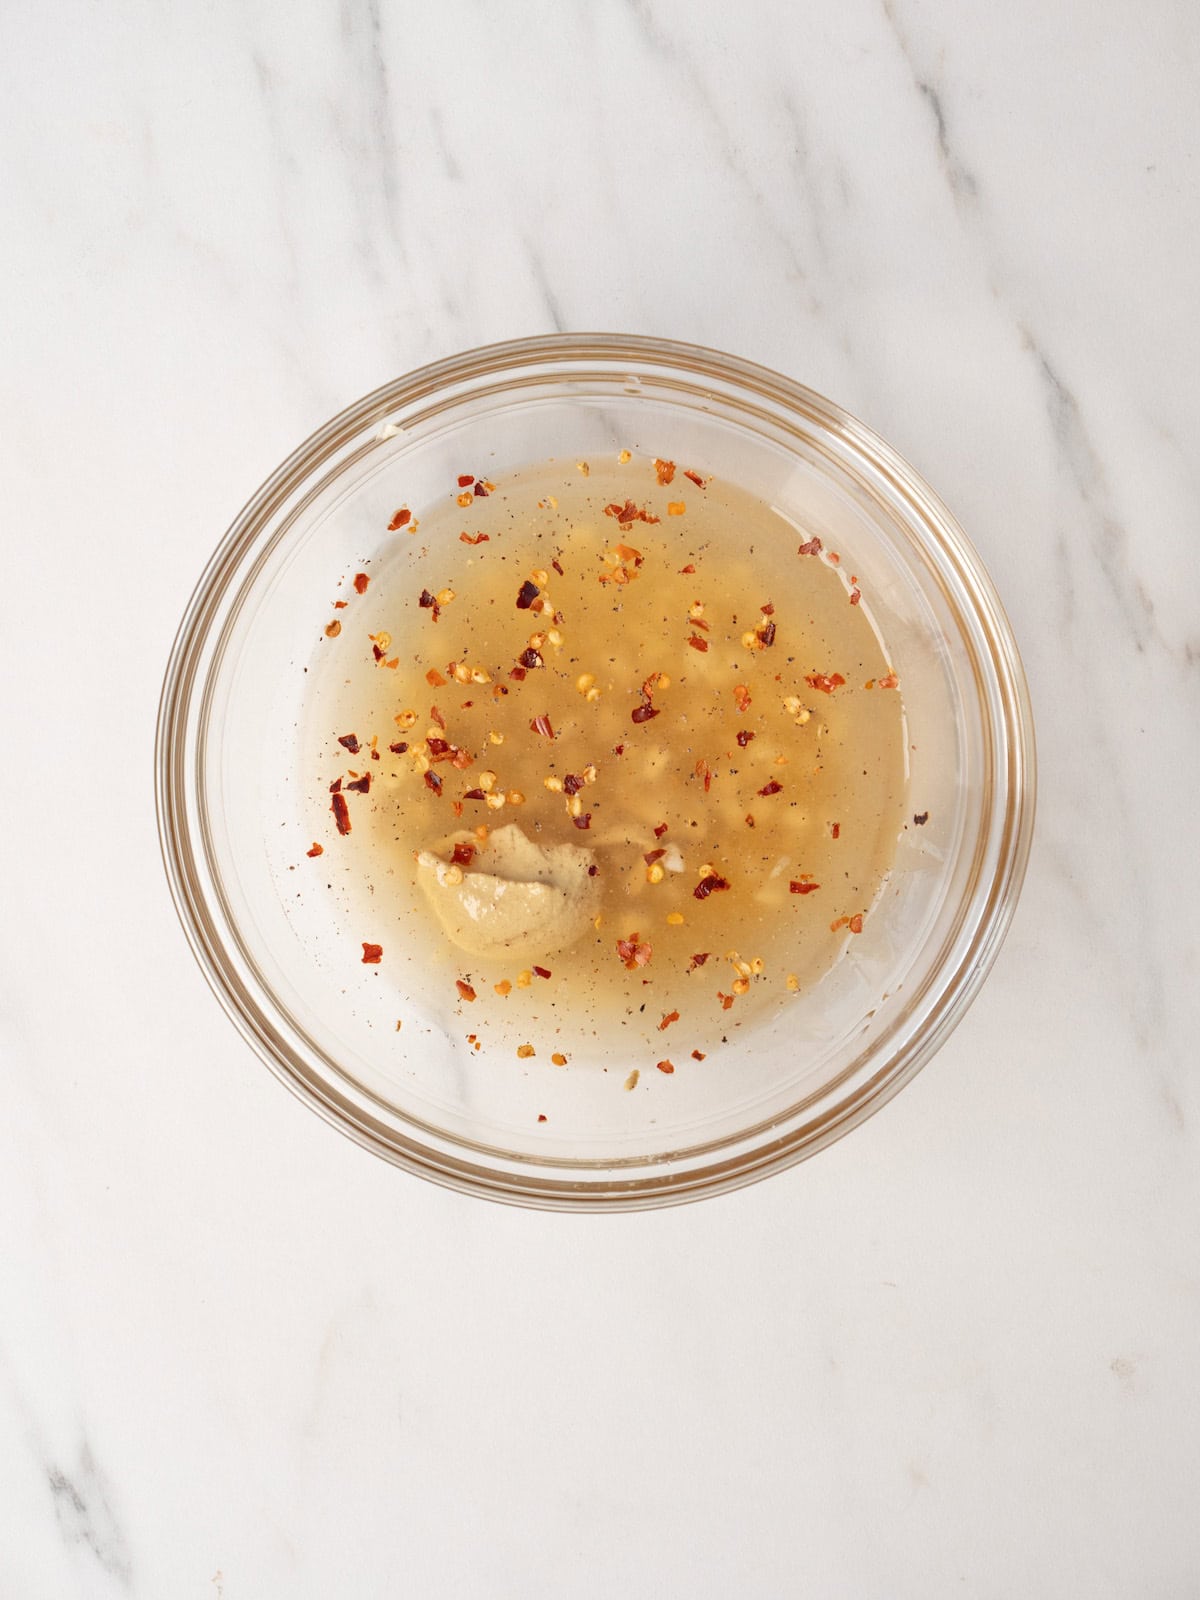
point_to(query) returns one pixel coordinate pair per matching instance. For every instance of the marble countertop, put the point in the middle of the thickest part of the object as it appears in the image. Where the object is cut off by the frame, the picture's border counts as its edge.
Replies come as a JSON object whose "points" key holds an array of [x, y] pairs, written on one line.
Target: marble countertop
{"points": [[956, 1353]]}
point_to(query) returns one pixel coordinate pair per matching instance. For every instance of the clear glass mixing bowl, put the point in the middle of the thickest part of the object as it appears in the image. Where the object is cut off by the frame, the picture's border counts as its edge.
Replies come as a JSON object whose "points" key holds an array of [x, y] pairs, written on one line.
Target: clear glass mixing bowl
{"points": [[232, 797]]}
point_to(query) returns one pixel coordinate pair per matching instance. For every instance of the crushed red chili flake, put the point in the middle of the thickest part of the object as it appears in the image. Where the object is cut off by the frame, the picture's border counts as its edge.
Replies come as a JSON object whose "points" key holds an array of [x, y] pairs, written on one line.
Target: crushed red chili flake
{"points": [[856, 923], [465, 478], [432, 781], [890, 682], [438, 749], [703, 770], [664, 471], [697, 643], [557, 565], [826, 683], [360, 582], [665, 1066], [660, 830], [372, 954], [633, 953], [400, 519], [317, 850], [474, 794], [479, 491], [464, 989], [572, 784], [530, 659], [725, 999], [517, 674], [593, 870], [434, 678], [461, 759], [643, 713], [584, 821], [542, 972], [922, 819], [651, 856], [350, 740], [456, 807], [749, 819], [361, 785], [541, 1116], [426, 600], [683, 571], [335, 786], [463, 854], [699, 622], [767, 635], [436, 716], [399, 748], [695, 478], [710, 885], [340, 605], [668, 1018], [811, 548], [835, 829], [629, 513], [699, 959], [474, 538], [855, 596], [341, 813], [744, 736], [527, 594], [377, 652], [802, 887], [774, 787], [541, 724], [742, 696]]}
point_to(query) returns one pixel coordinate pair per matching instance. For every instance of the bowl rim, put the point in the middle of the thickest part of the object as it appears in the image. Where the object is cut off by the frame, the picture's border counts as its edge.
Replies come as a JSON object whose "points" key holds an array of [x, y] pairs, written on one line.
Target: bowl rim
{"points": [[955, 988]]}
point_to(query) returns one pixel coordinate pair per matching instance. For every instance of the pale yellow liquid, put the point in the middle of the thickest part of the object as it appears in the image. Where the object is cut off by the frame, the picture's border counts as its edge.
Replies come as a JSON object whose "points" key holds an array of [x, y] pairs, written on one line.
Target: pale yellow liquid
{"points": [[839, 756]]}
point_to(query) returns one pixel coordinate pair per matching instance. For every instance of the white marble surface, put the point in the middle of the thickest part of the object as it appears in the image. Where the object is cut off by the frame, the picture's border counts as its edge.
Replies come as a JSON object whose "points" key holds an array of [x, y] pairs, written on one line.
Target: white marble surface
{"points": [[956, 1354]]}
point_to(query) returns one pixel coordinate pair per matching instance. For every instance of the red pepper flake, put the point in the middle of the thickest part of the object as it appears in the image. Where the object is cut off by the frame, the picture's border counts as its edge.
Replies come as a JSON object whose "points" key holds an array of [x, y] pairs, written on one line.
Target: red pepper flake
{"points": [[461, 759], [557, 565], [664, 471], [633, 953], [742, 696], [695, 478], [340, 605], [432, 781], [802, 887], [360, 582], [399, 748], [697, 643], [651, 856], [593, 870], [812, 548], [377, 652], [434, 678], [541, 724], [774, 787], [920, 820], [703, 770], [668, 1018], [464, 989], [744, 736], [710, 885], [317, 850], [643, 713], [749, 819], [341, 813], [372, 954], [890, 682], [541, 1116], [426, 600], [438, 749], [335, 786], [542, 972], [699, 959], [436, 716], [855, 596], [527, 594], [629, 513], [856, 923], [400, 519], [665, 1066], [465, 478], [517, 674], [725, 999], [825, 683], [361, 785], [479, 491], [474, 794], [834, 558], [660, 830], [457, 807], [697, 1055], [530, 659], [463, 854], [474, 538], [683, 571], [350, 740], [699, 622], [572, 784], [584, 821], [767, 635], [835, 829]]}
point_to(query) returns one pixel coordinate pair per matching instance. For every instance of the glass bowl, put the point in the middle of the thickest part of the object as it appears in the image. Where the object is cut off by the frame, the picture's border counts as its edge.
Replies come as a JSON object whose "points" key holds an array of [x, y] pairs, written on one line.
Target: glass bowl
{"points": [[234, 804]]}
